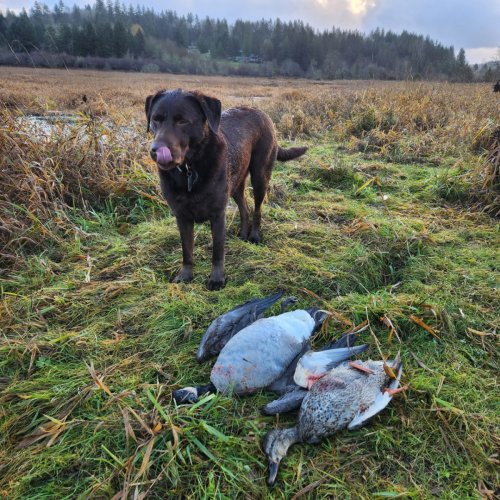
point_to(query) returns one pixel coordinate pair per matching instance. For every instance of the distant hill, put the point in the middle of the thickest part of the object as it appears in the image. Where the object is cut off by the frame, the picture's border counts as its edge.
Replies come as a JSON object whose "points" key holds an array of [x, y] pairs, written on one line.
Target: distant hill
{"points": [[112, 36]]}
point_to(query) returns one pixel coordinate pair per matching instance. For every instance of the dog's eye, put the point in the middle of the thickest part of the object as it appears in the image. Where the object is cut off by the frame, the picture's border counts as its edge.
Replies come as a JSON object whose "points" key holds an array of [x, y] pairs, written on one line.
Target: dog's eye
{"points": [[182, 121], [158, 118]]}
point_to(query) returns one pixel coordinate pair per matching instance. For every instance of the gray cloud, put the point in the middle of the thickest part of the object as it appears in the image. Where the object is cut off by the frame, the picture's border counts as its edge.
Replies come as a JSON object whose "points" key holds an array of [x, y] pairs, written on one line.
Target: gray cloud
{"points": [[321, 14], [461, 23]]}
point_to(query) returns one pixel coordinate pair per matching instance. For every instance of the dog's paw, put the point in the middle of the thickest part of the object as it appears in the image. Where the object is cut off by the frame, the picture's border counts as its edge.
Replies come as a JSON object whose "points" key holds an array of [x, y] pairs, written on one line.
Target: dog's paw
{"points": [[216, 283], [243, 235], [255, 238], [185, 276]]}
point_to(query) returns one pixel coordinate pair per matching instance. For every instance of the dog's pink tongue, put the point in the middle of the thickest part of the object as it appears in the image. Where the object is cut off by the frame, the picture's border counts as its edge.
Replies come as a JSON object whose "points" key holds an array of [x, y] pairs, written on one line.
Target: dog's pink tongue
{"points": [[163, 155]]}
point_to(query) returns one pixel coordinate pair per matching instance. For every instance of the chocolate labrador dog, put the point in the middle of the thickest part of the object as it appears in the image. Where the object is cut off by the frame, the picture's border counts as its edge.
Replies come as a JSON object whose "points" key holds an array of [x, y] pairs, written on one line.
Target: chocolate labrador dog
{"points": [[203, 157]]}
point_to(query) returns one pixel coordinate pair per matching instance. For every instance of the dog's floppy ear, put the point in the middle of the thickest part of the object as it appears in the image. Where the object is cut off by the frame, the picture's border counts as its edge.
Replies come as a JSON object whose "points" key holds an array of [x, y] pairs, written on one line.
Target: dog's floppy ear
{"points": [[148, 105], [211, 108]]}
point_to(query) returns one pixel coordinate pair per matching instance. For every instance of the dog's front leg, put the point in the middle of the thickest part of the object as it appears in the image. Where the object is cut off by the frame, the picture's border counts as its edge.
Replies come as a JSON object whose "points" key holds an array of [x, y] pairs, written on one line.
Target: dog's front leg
{"points": [[186, 228], [218, 225]]}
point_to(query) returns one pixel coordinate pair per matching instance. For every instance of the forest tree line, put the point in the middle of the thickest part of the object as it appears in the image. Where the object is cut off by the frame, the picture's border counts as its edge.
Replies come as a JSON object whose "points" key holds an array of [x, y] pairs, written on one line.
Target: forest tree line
{"points": [[110, 35]]}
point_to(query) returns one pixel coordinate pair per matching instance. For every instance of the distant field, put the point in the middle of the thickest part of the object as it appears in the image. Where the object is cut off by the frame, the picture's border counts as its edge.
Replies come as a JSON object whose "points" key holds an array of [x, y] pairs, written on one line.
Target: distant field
{"points": [[388, 218], [128, 90]]}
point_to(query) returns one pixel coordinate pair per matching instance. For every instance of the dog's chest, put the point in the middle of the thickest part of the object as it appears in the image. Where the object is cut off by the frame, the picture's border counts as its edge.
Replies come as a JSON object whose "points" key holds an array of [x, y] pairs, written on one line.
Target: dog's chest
{"points": [[196, 207], [205, 199]]}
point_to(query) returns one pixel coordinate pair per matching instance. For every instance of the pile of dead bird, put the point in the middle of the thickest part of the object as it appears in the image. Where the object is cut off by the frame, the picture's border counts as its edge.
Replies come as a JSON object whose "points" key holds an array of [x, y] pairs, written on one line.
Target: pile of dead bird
{"points": [[274, 353]]}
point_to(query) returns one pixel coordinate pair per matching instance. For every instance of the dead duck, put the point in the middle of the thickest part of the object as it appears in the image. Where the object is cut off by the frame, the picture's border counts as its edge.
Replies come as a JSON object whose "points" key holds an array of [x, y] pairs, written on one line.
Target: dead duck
{"points": [[310, 367], [347, 396], [264, 355], [229, 324]]}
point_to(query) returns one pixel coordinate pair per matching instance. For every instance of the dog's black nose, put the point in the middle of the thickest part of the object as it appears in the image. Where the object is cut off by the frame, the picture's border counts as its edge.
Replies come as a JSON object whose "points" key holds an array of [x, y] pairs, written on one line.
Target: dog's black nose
{"points": [[152, 151]]}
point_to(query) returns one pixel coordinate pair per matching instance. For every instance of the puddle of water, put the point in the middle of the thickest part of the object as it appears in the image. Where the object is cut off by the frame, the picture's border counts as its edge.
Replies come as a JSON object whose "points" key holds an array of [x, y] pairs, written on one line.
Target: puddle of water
{"points": [[41, 127]]}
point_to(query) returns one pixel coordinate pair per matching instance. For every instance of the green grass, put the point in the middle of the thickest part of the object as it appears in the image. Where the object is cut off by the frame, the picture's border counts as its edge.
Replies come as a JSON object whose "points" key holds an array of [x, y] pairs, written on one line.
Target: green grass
{"points": [[95, 337]]}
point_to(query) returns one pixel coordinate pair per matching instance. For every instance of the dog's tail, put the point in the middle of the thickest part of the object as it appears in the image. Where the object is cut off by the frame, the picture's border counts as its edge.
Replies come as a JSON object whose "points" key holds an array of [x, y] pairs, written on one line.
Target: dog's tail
{"points": [[290, 153]]}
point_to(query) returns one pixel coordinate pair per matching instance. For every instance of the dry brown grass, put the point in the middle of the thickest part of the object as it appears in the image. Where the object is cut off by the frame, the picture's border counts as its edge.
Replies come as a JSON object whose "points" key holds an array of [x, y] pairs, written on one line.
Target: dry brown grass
{"points": [[42, 179], [42, 89], [486, 177], [378, 113]]}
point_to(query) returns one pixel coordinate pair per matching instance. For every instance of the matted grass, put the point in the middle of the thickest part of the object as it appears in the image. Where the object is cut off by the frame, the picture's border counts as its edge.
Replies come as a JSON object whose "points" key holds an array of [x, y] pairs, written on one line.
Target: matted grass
{"points": [[94, 337]]}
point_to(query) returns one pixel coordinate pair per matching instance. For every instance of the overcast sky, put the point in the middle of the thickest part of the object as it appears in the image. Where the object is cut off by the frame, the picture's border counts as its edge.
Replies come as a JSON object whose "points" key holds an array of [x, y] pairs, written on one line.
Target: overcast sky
{"points": [[471, 24]]}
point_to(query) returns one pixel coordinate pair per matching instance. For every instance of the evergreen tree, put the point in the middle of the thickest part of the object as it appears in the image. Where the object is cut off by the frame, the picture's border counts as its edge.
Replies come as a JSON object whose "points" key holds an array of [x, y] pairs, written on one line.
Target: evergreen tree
{"points": [[181, 33], [220, 40], [64, 39], [464, 71], [138, 43], [461, 58], [21, 33], [3, 28], [39, 19], [50, 39], [88, 43], [109, 9], [76, 16], [100, 11], [59, 12], [206, 35], [76, 41], [104, 39], [120, 39]]}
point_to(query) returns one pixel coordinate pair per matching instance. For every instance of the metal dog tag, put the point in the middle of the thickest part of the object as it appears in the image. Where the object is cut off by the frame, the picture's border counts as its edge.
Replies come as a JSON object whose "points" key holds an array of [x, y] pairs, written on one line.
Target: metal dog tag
{"points": [[190, 180]]}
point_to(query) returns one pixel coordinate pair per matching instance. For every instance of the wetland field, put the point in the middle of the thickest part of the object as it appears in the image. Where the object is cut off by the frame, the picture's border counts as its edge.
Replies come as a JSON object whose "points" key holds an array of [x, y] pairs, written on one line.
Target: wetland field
{"points": [[390, 222]]}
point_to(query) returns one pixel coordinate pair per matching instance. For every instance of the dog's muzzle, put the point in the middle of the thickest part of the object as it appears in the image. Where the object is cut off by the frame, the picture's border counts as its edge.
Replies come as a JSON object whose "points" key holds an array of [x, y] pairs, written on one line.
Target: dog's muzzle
{"points": [[161, 155]]}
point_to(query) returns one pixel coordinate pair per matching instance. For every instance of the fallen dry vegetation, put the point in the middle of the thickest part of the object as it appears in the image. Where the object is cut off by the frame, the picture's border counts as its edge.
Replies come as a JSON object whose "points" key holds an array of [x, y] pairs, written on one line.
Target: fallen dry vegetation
{"points": [[385, 221]]}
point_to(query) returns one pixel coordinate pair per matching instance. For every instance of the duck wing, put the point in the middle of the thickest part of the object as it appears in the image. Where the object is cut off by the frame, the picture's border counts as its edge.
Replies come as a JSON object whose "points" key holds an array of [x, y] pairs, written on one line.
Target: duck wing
{"points": [[317, 363], [229, 324], [381, 401], [346, 340], [333, 357]]}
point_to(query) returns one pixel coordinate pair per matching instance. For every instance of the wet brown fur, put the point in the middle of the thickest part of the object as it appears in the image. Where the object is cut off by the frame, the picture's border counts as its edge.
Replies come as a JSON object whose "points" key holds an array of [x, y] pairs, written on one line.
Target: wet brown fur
{"points": [[220, 150]]}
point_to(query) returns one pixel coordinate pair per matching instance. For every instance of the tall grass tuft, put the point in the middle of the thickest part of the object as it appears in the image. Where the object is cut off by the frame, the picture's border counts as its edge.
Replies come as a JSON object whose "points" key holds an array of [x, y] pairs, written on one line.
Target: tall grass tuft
{"points": [[46, 174]]}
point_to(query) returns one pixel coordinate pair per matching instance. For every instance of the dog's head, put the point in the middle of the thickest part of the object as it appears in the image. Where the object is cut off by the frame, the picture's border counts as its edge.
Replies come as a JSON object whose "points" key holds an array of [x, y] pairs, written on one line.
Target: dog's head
{"points": [[180, 122]]}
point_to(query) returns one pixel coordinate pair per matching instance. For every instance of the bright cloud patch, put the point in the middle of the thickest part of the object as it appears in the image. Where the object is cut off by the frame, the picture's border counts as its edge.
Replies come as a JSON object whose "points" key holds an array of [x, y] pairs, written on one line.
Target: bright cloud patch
{"points": [[360, 7], [482, 54]]}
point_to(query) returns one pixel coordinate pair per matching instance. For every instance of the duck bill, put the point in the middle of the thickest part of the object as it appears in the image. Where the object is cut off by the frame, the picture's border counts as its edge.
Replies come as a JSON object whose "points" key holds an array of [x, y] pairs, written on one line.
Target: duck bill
{"points": [[188, 395], [273, 472]]}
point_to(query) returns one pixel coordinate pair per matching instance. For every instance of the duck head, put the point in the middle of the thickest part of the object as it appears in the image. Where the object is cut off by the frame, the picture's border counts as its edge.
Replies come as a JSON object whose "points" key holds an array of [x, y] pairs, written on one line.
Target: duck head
{"points": [[188, 395], [276, 443], [191, 395], [319, 316], [287, 303]]}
